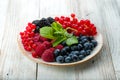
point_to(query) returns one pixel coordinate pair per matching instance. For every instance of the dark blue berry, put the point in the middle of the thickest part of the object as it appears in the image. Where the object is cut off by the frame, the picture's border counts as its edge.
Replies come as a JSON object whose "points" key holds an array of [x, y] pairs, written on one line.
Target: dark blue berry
{"points": [[87, 46], [81, 57], [67, 48], [75, 58], [36, 22], [88, 52], [94, 42], [91, 38], [37, 29], [68, 59], [60, 59], [84, 40], [73, 48], [92, 46], [75, 52], [64, 43], [83, 52], [51, 20], [56, 52], [63, 51], [83, 37], [80, 46]]}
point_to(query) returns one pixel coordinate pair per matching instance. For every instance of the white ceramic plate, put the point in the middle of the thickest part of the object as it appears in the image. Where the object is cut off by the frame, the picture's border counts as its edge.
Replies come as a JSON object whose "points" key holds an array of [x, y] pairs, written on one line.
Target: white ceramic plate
{"points": [[97, 49]]}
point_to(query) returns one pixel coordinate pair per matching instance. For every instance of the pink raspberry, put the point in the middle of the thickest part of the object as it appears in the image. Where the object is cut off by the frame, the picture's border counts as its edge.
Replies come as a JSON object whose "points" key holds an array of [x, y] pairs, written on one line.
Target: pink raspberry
{"points": [[48, 55], [43, 39], [59, 47], [40, 49], [48, 44]]}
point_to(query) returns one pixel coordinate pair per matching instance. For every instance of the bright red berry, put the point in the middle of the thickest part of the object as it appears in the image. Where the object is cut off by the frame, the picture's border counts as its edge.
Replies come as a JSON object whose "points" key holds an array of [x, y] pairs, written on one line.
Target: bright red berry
{"points": [[34, 54], [72, 15]]}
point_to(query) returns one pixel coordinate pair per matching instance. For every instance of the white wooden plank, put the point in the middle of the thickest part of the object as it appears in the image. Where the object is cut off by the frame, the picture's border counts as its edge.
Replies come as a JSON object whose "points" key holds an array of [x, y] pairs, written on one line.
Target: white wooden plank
{"points": [[13, 65], [98, 70], [111, 18]]}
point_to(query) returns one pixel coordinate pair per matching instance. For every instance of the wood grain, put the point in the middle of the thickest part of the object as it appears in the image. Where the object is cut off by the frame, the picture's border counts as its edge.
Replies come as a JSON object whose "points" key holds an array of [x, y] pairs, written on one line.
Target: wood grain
{"points": [[14, 15], [13, 65]]}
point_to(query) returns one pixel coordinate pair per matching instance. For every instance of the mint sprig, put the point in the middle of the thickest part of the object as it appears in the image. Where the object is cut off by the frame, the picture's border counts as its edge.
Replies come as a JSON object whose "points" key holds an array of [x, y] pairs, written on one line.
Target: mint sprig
{"points": [[57, 33]]}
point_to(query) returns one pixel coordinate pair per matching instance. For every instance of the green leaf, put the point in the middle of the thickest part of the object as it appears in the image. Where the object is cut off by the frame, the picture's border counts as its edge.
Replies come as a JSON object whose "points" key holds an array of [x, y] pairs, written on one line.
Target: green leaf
{"points": [[71, 40], [56, 26], [67, 34], [47, 32], [58, 41]]}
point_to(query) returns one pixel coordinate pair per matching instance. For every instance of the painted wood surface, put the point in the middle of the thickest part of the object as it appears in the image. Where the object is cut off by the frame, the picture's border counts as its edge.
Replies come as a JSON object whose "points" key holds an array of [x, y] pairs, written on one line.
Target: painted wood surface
{"points": [[14, 15]]}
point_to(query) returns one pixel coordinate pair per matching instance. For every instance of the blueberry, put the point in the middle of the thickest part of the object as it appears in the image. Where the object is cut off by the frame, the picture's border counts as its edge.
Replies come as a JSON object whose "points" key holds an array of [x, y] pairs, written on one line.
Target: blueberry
{"points": [[87, 46], [56, 52], [60, 59], [94, 42], [91, 38], [73, 48], [44, 22], [37, 29], [75, 52], [83, 52], [70, 55], [84, 40], [81, 57], [67, 48], [80, 46], [36, 22], [92, 46], [83, 37], [51, 20], [65, 56], [63, 51], [88, 52], [75, 58], [64, 43], [68, 59]]}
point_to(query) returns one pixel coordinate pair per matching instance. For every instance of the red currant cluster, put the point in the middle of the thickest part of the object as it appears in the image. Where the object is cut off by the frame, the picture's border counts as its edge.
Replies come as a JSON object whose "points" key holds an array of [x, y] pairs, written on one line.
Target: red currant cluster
{"points": [[72, 24], [27, 37]]}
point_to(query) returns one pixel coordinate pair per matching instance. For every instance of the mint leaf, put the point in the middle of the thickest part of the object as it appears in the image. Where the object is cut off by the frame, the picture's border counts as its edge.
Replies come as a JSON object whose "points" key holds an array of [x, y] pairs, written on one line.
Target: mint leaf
{"points": [[47, 32], [56, 26], [71, 40], [58, 41]]}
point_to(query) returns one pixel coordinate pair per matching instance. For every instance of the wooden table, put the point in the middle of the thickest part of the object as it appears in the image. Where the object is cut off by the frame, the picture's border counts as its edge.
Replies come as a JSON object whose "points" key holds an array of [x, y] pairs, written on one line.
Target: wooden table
{"points": [[14, 16]]}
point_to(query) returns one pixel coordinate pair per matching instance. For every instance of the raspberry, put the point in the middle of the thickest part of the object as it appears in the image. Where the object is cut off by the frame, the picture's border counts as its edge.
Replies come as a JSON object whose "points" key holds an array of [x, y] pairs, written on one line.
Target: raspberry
{"points": [[43, 39], [40, 49], [47, 44], [48, 55], [59, 47]]}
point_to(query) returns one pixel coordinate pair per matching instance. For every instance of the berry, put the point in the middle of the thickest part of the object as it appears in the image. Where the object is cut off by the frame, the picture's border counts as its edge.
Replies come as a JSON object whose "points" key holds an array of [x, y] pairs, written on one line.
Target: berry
{"points": [[64, 43], [47, 44], [48, 55], [44, 22], [56, 18], [56, 52], [67, 48], [60, 59], [40, 49], [82, 52], [63, 51], [34, 54], [88, 52], [94, 42], [59, 47], [50, 19], [81, 57], [36, 22], [72, 15], [73, 48], [68, 59], [87, 46], [75, 58], [79, 46]]}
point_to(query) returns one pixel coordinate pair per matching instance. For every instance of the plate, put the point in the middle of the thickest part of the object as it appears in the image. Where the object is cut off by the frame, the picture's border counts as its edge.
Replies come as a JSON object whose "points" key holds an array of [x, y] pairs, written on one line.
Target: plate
{"points": [[96, 50]]}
